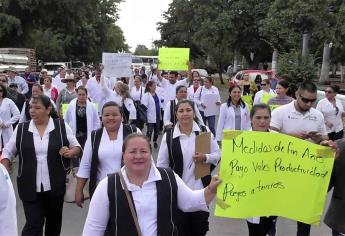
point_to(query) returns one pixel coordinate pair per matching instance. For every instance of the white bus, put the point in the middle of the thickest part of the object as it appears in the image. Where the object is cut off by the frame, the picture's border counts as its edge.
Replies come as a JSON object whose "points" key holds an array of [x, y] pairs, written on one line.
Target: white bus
{"points": [[146, 61]]}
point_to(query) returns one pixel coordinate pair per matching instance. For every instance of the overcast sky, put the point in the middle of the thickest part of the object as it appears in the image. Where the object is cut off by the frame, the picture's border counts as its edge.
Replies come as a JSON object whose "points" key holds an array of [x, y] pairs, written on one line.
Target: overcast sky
{"points": [[138, 20]]}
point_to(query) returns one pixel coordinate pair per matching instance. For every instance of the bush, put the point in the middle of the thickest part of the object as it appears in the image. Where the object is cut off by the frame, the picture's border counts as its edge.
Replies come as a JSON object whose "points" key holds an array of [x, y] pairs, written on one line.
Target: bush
{"points": [[292, 65]]}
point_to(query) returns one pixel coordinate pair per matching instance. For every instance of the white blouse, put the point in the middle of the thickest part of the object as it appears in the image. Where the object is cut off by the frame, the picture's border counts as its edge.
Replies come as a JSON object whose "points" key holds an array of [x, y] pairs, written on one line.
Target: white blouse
{"points": [[188, 150], [331, 115], [136, 94], [41, 150], [9, 114], [145, 202], [109, 156], [199, 95]]}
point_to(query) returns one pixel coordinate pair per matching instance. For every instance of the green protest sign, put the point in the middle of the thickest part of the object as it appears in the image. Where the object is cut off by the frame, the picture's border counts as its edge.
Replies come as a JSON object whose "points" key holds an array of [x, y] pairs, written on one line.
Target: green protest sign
{"points": [[266, 173], [173, 58]]}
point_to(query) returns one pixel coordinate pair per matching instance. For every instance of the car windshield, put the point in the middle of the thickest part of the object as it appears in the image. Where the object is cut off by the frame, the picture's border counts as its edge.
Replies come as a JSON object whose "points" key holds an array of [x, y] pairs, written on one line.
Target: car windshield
{"points": [[137, 60], [51, 67]]}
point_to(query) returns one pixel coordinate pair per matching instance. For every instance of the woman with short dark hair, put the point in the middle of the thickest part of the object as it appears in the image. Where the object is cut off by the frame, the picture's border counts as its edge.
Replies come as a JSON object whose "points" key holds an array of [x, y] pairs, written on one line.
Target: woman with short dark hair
{"points": [[45, 147], [153, 194], [333, 112], [102, 152]]}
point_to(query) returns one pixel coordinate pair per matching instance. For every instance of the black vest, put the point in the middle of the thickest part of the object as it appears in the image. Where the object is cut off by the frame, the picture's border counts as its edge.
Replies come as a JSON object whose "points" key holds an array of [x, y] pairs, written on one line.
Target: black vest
{"points": [[172, 112], [166, 206], [57, 165], [176, 156], [96, 136]]}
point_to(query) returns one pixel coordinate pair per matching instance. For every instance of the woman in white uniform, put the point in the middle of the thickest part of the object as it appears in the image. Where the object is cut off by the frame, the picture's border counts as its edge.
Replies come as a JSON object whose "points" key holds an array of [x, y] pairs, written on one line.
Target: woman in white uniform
{"points": [[102, 153], [154, 194], [234, 114], [333, 112], [45, 147], [82, 116], [137, 93], [260, 117], [9, 114], [8, 215], [177, 151]]}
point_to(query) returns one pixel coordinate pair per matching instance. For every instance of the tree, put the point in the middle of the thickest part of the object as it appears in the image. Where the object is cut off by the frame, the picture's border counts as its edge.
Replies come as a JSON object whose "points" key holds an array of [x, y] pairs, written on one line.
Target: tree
{"points": [[296, 67], [82, 28], [142, 50]]}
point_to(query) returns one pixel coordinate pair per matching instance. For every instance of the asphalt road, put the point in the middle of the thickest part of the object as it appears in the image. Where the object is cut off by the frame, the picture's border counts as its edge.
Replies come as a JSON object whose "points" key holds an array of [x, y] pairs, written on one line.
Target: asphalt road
{"points": [[74, 218]]}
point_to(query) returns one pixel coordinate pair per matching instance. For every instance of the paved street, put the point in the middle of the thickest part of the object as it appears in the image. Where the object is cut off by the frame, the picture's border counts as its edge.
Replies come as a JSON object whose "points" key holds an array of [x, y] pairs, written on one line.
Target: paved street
{"points": [[74, 217]]}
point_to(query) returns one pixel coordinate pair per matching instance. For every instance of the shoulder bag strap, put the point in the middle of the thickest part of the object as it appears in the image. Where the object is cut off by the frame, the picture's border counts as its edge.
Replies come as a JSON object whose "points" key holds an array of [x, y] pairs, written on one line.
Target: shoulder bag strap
{"points": [[130, 203]]}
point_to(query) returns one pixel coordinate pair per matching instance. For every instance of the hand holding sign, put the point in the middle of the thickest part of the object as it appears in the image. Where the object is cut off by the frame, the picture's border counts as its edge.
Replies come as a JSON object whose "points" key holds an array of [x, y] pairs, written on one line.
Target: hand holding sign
{"points": [[268, 173]]}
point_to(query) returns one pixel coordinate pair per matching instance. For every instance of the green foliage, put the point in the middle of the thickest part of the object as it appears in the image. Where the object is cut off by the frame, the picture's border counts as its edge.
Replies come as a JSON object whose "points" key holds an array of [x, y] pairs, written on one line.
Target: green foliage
{"points": [[297, 68], [142, 50], [68, 29]]}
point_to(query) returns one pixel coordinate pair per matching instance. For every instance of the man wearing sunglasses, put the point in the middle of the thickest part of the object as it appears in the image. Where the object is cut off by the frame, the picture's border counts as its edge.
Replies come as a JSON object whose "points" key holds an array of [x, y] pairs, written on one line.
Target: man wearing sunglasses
{"points": [[301, 120]]}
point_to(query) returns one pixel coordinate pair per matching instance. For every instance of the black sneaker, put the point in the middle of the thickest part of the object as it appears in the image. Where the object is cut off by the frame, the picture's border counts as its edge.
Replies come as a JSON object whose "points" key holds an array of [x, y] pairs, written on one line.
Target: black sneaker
{"points": [[155, 145]]}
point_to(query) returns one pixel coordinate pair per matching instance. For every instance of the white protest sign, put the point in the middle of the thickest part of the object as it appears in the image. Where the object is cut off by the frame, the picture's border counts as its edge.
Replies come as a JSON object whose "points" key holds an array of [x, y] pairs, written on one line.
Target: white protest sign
{"points": [[117, 64]]}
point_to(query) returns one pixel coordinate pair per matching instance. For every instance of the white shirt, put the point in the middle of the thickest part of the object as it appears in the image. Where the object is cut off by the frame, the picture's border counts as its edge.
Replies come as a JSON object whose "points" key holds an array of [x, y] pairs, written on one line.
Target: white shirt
{"points": [[95, 92], [331, 115], [167, 114], [188, 150], [58, 83], [8, 215], [41, 150], [169, 90], [288, 120], [258, 95], [226, 119], [23, 87], [145, 202], [149, 102], [109, 156], [199, 95], [137, 93], [190, 92], [9, 114]]}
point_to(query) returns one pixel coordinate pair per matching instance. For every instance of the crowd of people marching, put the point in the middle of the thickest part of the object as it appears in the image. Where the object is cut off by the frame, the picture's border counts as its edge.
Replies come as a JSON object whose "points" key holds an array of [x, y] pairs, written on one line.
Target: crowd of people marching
{"points": [[49, 124]]}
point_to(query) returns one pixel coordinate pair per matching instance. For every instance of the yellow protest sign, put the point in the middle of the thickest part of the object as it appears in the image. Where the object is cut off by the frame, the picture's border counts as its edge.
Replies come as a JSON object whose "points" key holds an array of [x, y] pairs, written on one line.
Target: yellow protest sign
{"points": [[64, 109], [266, 173], [274, 107], [266, 97], [249, 100], [173, 58]]}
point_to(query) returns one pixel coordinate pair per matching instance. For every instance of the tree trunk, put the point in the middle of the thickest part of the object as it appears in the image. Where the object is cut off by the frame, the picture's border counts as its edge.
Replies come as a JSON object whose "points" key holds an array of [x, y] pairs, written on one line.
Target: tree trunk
{"points": [[220, 71], [274, 61], [235, 62], [305, 46], [342, 72], [325, 63]]}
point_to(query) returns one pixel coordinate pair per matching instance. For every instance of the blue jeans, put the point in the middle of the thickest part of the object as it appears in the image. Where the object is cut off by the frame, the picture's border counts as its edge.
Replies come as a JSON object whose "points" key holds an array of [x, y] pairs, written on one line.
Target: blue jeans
{"points": [[211, 122]]}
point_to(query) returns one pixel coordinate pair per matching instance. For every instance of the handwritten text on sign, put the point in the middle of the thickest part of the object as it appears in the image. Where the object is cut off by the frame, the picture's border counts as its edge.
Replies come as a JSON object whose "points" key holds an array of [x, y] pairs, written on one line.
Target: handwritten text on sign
{"points": [[274, 174], [117, 64], [173, 58]]}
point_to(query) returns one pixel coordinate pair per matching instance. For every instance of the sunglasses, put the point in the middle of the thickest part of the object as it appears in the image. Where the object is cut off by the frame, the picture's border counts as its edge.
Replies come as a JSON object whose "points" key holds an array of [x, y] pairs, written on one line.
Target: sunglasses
{"points": [[306, 100], [328, 91], [1, 91], [263, 84], [196, 80], [2, 80]]}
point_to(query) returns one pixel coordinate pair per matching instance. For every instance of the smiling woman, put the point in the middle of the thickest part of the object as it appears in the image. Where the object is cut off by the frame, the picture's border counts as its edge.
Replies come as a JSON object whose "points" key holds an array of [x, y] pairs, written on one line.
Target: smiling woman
{"points": [[102, 152], [142, 199]]}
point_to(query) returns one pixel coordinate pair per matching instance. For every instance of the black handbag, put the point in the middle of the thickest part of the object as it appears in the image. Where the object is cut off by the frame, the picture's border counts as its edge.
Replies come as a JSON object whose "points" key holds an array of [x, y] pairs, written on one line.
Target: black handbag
{"points": [[141, 110]]}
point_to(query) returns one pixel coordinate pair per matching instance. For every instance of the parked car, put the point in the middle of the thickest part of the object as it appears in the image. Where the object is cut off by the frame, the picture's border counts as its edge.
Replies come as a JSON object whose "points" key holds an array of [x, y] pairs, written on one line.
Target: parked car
{"points": [[252, 74], [52, 67], [202, 72]]}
